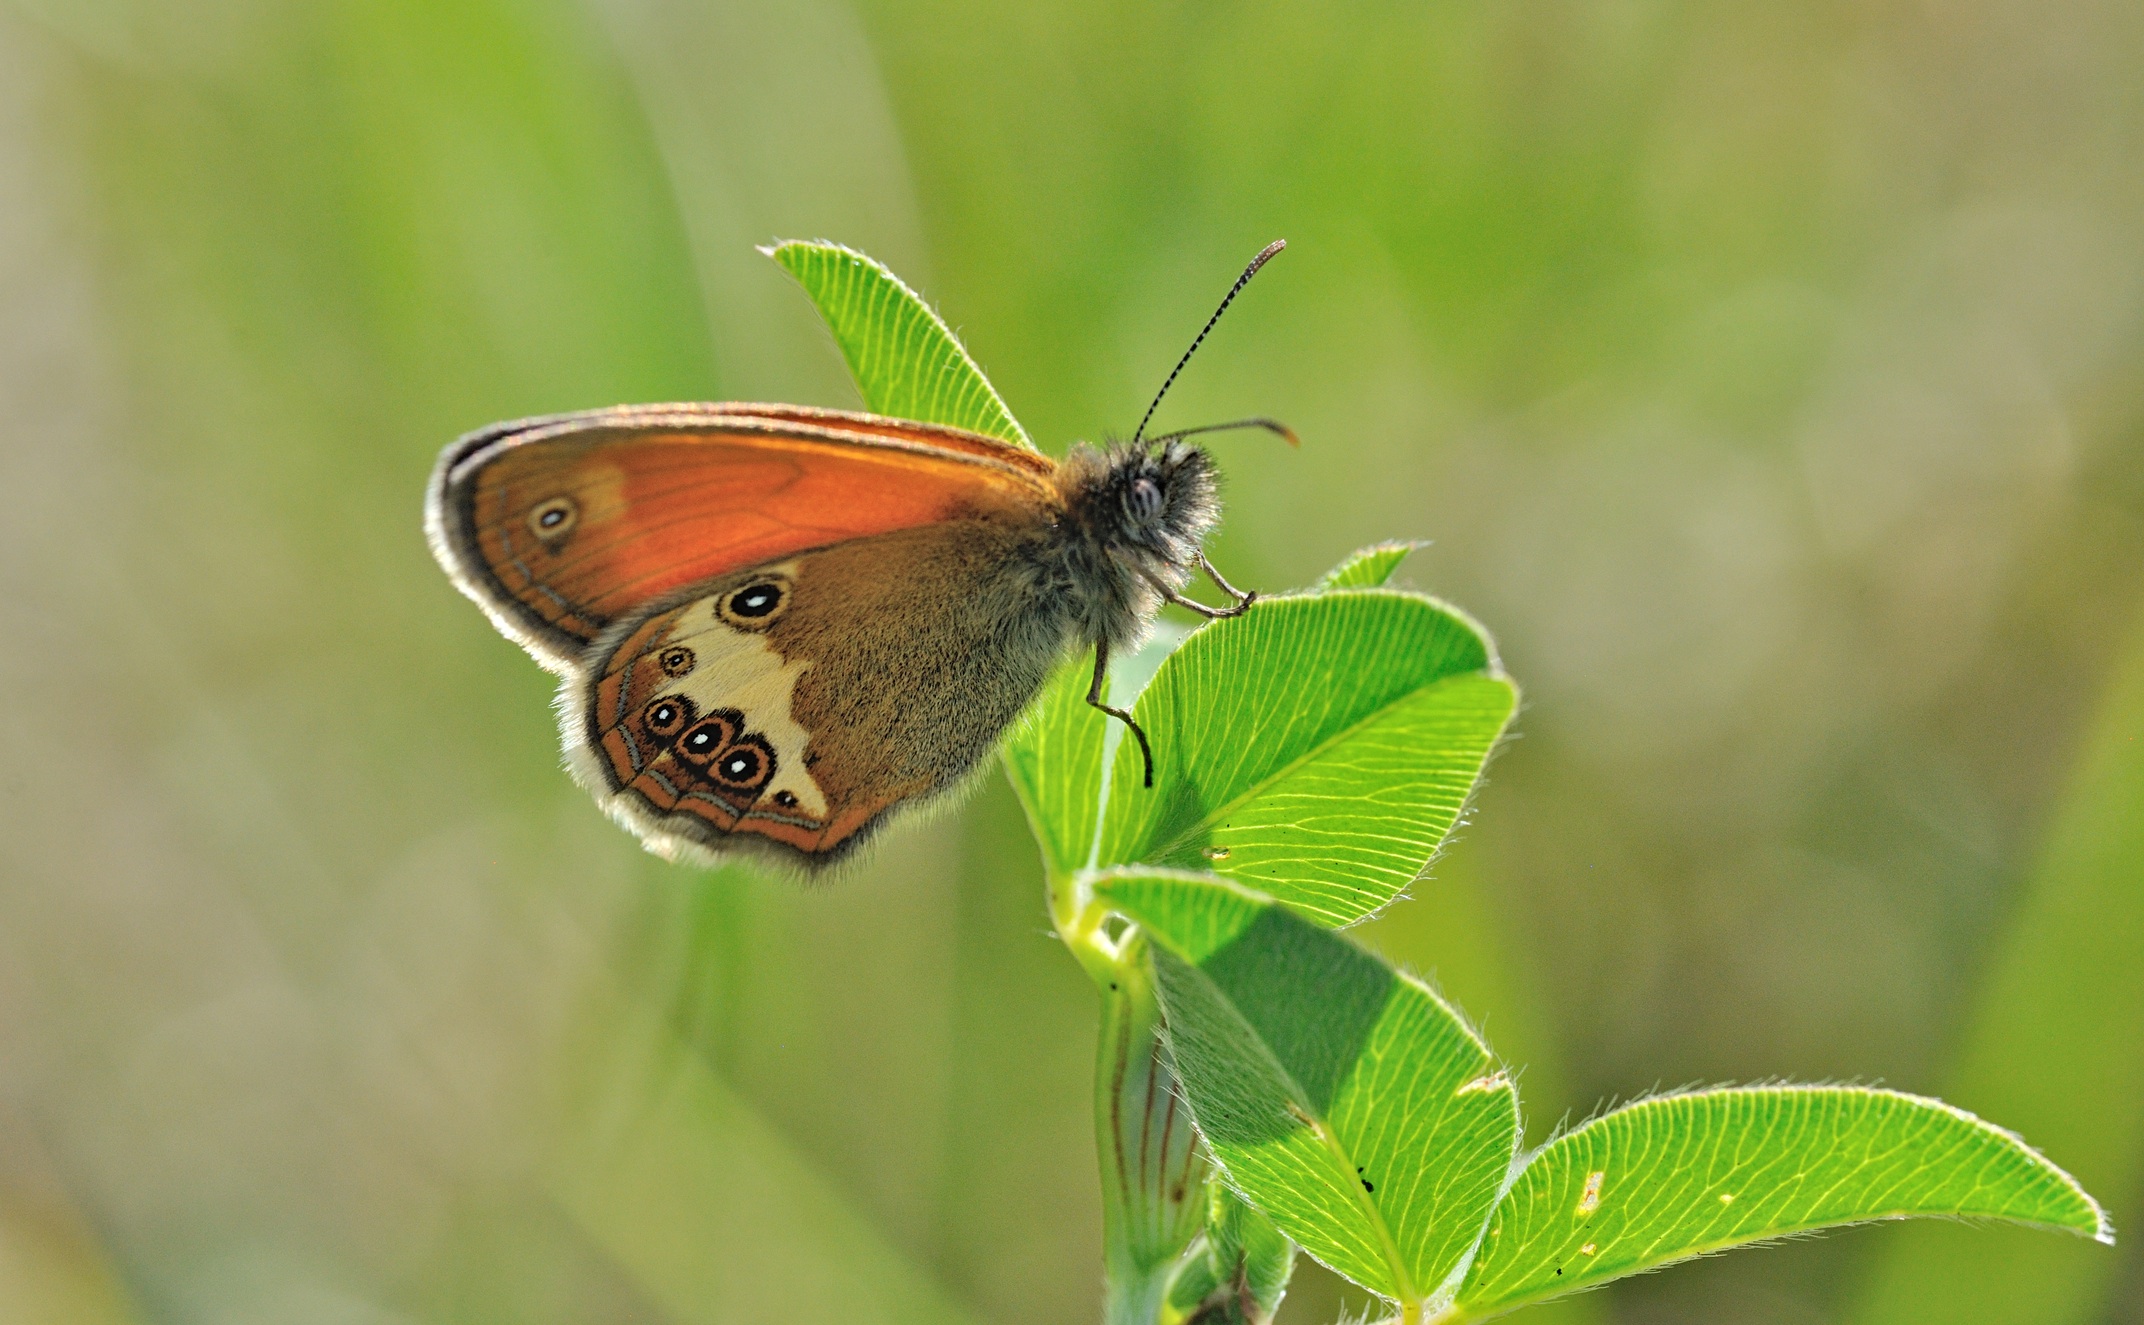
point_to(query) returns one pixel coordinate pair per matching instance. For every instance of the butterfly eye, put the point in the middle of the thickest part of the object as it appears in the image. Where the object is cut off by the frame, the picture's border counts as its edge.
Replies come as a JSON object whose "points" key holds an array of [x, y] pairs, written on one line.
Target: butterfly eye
{"points": [[745, 766], [756, 605], [1143, 500], [709, 735], [667, 716], [676, 660], [552, 520]]}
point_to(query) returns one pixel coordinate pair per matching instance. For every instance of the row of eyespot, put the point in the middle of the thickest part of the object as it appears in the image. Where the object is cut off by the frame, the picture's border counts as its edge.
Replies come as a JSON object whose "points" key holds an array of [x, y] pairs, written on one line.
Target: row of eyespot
{"points": [[716, 744]]}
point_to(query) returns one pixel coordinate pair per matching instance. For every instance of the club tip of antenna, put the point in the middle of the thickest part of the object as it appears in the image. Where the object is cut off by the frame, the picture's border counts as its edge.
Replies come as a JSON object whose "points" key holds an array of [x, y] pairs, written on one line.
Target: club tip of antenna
{"points": [[1245, 279]]}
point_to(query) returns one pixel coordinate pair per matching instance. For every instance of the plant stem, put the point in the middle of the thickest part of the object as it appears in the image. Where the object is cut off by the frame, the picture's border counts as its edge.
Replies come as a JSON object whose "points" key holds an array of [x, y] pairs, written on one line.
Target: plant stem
{"points": [[1154, 1176], [1079, 924]]}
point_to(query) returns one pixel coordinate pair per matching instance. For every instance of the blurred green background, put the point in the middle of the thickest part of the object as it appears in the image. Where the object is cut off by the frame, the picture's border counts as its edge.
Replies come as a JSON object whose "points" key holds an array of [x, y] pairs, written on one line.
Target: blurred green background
{"points": [[1769, 377]]}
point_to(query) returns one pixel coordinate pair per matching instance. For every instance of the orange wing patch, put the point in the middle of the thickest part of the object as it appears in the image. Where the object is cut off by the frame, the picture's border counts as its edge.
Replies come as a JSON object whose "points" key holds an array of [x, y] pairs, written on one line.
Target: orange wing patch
{"points": [[559, 526]]}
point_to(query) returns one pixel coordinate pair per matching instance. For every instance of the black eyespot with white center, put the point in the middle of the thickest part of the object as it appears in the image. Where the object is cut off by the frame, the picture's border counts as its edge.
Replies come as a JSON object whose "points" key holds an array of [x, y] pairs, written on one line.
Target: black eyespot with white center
{"points": [[677, 660], [708, 737], [756, 605], [1142, 500], [745, 765], [552, 519], [667, 715]]}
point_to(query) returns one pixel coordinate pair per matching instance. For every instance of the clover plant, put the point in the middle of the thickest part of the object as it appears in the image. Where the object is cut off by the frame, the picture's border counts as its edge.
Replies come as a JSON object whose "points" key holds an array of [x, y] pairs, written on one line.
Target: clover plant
{"points": [[1266, 1086]]}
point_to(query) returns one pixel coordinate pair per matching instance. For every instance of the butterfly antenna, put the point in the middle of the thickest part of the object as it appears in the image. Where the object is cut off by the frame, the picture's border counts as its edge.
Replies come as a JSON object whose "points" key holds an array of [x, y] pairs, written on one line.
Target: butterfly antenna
{"points": [[1274, 426], [1264, 255]]}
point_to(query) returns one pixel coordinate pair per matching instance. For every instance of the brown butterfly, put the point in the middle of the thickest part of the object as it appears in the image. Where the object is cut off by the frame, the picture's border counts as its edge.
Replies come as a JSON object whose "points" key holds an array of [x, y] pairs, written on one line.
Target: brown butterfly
{"points": [[777, 625]]}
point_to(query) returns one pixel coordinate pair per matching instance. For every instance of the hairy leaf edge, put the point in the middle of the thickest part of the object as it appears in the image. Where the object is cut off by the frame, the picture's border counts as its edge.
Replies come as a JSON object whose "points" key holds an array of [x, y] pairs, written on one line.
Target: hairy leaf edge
{"points": [[1492, 669], [1443, 1292], [775, 250], [2102, 1231]]}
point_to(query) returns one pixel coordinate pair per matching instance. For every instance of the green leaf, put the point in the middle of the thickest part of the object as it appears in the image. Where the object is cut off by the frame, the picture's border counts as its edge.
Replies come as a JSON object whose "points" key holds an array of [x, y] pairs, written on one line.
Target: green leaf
{"points": [[1239, 1271], [1343, 1099], [1369, 567], [1054, 759], [1666, 1179], [1317, 748], [907, 363]]}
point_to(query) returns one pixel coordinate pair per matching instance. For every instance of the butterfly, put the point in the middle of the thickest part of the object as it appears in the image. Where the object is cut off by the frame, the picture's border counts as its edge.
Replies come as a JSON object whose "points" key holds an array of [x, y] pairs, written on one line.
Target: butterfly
{"points": [[776, 626]]}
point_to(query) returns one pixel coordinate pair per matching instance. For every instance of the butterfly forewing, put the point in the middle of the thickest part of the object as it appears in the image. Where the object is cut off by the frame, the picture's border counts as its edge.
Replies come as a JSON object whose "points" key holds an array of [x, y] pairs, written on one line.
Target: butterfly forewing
{"points": [[562, 526], [777, 625]]}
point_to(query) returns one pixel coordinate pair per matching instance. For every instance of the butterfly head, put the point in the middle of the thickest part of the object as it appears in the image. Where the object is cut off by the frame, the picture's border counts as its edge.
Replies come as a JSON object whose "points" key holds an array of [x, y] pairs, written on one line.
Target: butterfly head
{"points": [[1135, 515], [1157, 503], [1148, 506]]}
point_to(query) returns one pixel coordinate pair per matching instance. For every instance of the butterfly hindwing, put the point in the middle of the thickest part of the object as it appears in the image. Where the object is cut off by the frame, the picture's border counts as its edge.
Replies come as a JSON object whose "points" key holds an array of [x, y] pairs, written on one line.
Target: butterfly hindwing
{"points": [[691, 715], [794, 704], [561, 526]]}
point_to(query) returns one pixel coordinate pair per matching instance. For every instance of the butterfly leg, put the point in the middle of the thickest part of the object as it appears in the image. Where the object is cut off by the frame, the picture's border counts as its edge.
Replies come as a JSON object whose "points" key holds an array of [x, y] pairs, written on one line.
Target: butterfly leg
{"points": [[1243, 597], [1094, 697], [1237, 608]]}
